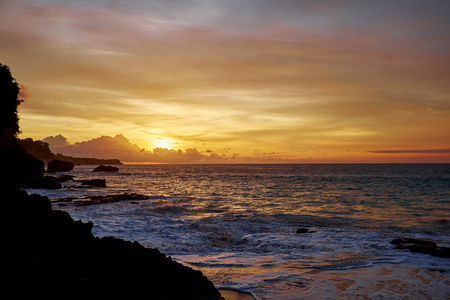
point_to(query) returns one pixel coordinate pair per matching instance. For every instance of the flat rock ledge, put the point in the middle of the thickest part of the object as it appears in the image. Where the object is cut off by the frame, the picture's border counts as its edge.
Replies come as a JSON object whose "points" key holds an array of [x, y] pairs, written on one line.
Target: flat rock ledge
{"points": [[48, 255], [421, 246]]}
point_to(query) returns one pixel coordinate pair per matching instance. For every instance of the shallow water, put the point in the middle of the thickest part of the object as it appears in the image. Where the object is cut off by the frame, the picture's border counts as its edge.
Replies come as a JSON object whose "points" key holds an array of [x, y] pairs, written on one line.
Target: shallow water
{"points": [[237, 224]]}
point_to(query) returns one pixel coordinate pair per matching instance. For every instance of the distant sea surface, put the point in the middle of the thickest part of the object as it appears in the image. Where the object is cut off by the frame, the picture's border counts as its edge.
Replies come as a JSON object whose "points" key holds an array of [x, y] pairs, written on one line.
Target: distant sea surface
{"points": [[237, 224]]}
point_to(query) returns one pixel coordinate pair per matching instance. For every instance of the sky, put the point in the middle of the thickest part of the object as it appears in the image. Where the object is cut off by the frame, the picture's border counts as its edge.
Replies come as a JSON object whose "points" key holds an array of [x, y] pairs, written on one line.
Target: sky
{"points": [[235, 81]]}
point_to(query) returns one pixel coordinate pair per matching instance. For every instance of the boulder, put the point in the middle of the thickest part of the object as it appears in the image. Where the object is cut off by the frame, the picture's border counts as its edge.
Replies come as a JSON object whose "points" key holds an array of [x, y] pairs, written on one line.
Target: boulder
{"points": [[57, 165], [302, 230], [94, 182], [103, 168]]}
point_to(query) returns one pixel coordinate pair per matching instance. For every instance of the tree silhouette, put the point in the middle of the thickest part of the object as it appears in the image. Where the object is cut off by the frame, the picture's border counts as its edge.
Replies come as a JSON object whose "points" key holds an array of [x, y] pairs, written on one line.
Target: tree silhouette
{"points": [[19, 169], [9, 101]]}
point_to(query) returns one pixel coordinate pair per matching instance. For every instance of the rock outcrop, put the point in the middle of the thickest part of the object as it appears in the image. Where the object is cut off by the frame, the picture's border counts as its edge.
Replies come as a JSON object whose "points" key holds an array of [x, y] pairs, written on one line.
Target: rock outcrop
{"points": [[57, 165], [103, 168], [48, 254]]}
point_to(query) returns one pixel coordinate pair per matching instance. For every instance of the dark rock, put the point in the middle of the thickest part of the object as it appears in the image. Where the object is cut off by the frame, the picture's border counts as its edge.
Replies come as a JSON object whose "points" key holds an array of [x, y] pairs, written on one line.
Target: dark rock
{"points": [[413, 241], [65, 178], [94, 182], [103, 168], [19, 168], [52, 255], [302, 230], [421, 246], [57, 165], [47, 182]]}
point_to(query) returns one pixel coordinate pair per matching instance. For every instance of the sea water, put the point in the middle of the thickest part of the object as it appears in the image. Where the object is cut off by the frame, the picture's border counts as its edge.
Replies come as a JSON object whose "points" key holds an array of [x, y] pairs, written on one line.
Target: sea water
{"points": [[237, 224]]}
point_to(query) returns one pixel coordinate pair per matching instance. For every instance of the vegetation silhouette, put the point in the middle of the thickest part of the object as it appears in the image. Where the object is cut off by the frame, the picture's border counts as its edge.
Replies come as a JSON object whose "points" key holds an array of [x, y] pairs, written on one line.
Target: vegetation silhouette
{"points": [[19, 169], [9, 102]]}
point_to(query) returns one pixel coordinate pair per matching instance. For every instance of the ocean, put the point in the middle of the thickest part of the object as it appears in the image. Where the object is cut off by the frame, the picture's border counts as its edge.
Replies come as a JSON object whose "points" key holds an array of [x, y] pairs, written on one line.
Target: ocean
{"points": [[238, 224]]}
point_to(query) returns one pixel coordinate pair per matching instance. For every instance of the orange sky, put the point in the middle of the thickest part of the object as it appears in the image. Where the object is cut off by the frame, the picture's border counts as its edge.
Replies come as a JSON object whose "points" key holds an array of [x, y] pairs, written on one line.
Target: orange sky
{"points": [[283, 81]]}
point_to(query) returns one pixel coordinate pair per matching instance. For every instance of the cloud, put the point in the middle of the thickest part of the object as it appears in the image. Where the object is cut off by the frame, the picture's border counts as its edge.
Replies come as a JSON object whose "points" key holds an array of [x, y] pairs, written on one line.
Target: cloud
{"points": [[24, 93], [428, 151], [241, 74], [57, 142], [119, 147]]}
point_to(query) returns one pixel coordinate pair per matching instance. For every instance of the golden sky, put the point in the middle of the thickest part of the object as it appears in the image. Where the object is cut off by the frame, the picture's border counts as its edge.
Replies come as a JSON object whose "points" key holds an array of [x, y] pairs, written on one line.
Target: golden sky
{"points": [[280, 81]]}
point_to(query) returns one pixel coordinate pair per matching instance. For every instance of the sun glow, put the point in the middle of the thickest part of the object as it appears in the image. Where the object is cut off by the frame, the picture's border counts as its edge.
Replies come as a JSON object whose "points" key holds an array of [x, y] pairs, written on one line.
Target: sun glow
{"points": [[161, 143]]}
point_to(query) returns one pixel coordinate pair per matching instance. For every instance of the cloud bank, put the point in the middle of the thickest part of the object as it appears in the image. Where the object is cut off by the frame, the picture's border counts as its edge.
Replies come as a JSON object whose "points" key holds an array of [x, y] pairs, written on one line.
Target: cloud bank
{"points": [[120, 147], [413, 151]]}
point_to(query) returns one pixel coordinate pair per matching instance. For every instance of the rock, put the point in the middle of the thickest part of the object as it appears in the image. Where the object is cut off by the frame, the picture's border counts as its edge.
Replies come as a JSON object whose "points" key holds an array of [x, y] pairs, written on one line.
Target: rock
{"points": [[421, 246], [65, 178], [49, 255], [48, 182], [19, 168], [302, 230], [420, 242], [103, 168], [57, 165], [95, 182]]}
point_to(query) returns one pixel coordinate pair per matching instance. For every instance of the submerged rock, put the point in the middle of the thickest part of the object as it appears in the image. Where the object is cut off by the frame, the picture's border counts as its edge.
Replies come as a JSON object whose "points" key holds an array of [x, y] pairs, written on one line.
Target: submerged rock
{"points": [[57, 165], [103, 168], [421, 246]]}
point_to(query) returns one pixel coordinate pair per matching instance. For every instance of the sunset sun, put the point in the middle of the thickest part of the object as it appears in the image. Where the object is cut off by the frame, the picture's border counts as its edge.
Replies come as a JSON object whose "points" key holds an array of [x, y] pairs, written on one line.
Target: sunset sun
{"points": [[161, 143]]}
